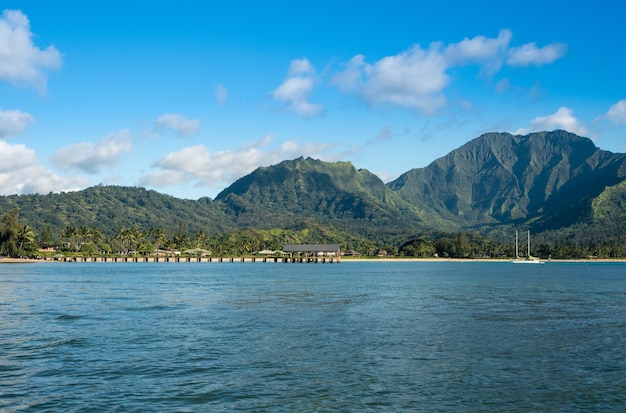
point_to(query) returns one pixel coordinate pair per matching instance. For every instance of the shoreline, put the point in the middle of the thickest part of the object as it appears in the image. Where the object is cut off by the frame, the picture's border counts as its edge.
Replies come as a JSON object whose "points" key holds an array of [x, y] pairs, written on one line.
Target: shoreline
{"points": [[582, 260], [8, 260]]}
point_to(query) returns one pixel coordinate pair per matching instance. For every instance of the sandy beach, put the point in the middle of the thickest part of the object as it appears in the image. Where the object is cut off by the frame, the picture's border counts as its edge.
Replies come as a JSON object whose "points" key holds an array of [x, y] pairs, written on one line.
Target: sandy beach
{"points": [[7, 260], [470, 260]]}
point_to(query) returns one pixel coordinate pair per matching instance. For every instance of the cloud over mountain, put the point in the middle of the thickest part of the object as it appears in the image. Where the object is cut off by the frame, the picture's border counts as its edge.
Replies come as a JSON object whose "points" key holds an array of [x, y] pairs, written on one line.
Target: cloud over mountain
{"points": [[21, 173], [92, 158], [417, 77], [203, 167], [617, 113], [563, 118]]}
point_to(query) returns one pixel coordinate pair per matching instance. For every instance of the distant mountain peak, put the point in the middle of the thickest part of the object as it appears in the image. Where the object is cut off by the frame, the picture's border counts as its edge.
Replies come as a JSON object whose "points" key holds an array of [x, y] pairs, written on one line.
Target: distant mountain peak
{"points": [[311, 188], [499, 177]]}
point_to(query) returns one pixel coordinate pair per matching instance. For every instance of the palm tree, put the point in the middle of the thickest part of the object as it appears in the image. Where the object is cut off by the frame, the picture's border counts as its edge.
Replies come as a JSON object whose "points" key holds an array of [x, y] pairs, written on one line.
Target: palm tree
{"points": [[199, 239], [96, 235], [69, 234], [9, 226], [128, 237], [146, 247], [84, 234], [25, 236], [158, 236]]}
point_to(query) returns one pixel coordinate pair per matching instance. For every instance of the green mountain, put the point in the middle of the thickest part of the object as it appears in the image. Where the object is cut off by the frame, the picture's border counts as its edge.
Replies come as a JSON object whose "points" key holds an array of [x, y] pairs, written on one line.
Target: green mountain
{"points": [[557, 184], [548, 180], [311, 190]]}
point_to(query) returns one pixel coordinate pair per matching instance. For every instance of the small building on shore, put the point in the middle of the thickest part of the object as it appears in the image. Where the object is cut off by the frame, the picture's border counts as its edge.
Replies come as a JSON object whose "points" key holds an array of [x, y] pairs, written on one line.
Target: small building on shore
{"points": [[328, 250], [46, 248]]}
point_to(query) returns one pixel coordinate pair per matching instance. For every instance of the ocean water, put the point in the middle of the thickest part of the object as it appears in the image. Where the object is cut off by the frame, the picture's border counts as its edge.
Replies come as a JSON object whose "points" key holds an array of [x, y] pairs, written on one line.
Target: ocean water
{"points": [[349, 337]]}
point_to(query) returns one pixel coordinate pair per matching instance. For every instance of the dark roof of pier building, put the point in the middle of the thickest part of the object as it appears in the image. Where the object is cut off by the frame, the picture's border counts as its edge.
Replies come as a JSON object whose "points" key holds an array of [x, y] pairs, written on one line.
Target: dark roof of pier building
{"points": [[310, 248]]}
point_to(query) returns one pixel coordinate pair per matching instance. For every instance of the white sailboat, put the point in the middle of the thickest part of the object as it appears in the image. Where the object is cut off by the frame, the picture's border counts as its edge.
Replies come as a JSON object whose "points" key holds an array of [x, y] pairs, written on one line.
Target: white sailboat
{"points": [[529, 259]]}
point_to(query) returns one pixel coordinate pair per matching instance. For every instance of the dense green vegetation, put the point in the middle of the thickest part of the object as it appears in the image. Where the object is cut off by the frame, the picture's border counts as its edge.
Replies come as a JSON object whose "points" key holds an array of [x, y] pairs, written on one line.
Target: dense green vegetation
{"points": [[335, 194], [16, 239], [111, 207], [20, 240], [544, 180], [570, 194]]}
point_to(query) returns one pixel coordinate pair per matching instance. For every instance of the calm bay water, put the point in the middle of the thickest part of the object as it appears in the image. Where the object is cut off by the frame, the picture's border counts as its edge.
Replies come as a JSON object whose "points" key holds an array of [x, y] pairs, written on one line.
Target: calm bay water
{"points": [[312, 337]]}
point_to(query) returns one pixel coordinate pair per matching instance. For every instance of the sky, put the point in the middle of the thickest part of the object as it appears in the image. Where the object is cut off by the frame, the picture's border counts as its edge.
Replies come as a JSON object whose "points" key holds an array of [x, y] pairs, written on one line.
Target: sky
{"points": [[186, 97]]}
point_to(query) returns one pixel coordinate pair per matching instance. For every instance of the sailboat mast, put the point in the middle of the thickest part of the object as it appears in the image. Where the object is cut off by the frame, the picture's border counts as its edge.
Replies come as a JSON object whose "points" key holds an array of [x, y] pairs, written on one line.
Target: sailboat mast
{"points": [[529, 259]]}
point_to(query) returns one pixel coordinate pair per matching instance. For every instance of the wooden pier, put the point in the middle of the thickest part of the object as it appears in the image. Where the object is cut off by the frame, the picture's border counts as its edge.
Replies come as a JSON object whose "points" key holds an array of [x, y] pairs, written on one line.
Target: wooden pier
{"points": [[286, 260], [297, 253]]}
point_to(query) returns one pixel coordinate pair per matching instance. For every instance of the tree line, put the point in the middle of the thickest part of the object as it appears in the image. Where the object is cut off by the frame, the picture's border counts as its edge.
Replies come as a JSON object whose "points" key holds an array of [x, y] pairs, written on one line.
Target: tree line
{"points": [[467, 245], [19, 239]]}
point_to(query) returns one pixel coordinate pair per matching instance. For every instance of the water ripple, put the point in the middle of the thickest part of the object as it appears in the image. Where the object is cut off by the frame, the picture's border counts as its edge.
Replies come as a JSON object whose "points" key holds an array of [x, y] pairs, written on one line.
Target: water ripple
{"points": [[353, 337]]}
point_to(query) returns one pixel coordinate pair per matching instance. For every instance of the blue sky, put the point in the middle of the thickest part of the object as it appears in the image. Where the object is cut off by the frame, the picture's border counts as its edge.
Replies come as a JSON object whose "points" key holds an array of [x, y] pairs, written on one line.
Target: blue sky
{"points": [[185, 97]]}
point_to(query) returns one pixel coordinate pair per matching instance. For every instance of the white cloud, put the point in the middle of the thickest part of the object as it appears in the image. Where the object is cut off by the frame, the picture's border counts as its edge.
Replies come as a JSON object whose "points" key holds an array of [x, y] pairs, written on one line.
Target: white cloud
{"points": [[15, 157], [296, 89], [178, 123], [412, 79], [221, 94], [91, 158], [21, 173], [351, 78], [21, 62], [617, 113], [13, 122], [479, 50], [300, 67], [45, 181], [417, 77], [213, 169], [531, 55], [162, 178], [562, 119]]}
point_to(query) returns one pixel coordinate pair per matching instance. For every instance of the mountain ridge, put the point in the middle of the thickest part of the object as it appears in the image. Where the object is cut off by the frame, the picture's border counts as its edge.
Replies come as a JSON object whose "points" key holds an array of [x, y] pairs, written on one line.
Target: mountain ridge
{"points": [[303, 189], [499, 178], [552, 182]]}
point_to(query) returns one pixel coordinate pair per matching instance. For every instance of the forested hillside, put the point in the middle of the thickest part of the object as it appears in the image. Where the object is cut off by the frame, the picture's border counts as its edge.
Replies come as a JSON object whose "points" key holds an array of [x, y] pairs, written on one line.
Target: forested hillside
{"points": [[558, 185], [112, 207], [334, 194], [546, 181]]}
